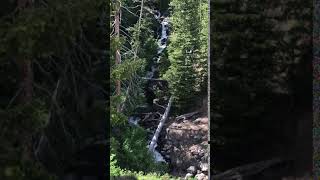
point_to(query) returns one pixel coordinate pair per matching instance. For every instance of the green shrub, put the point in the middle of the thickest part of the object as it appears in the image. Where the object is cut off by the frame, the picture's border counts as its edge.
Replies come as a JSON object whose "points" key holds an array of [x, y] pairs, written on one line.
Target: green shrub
{"points": [[131, 152]]}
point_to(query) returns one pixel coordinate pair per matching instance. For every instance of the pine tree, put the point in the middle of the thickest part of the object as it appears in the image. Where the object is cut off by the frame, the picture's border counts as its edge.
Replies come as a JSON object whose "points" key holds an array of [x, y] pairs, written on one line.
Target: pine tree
{"points": [[185, 54], [257, 50]]}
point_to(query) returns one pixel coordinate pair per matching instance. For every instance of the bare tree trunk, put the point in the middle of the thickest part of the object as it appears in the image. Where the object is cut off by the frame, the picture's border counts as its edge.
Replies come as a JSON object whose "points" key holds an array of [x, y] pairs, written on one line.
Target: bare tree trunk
{"points": [[118, 55], [139, 25], [162, 121], [121, 108]]}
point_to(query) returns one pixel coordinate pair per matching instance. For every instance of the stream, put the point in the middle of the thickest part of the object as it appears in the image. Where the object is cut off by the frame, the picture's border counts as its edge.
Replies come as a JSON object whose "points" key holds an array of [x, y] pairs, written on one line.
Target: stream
{"points": [[153, 73]]}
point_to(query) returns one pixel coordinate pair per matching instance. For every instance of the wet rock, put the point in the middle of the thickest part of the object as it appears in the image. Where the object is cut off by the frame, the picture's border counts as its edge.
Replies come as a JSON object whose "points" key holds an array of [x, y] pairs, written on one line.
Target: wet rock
{"points": [[188, 175], [192, 170]]}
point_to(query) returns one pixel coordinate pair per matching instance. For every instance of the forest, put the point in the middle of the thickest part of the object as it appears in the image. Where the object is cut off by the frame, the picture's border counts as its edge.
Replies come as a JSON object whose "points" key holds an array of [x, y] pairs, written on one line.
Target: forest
{"points": [[262, 70], [159, 85], [53, 89], [127, 87]]}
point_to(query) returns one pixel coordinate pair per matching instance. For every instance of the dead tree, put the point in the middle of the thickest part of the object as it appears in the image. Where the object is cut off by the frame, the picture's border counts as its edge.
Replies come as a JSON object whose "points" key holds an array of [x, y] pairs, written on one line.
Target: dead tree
{"points": [[118, 55], [162, 121]]}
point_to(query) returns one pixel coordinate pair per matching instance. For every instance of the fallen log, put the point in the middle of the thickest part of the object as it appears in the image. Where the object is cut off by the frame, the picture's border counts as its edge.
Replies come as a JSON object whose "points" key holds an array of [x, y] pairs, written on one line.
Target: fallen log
{"points": [[153, 79], [185, 116], [249, 169], [162, 121]]}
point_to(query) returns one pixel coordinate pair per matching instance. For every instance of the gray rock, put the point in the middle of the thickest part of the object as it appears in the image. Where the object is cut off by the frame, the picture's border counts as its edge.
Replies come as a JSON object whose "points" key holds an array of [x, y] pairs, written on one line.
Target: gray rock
{"points": [[197, 121], [188, 175], [204, 167], [202, 153], [205, 158], [167, 130], [201, 176], [192, 170], [166, 147]]}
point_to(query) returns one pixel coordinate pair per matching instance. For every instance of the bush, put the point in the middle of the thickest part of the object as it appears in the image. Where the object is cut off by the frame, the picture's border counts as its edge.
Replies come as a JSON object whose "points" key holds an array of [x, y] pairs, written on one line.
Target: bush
{"points": [[130, 152]]}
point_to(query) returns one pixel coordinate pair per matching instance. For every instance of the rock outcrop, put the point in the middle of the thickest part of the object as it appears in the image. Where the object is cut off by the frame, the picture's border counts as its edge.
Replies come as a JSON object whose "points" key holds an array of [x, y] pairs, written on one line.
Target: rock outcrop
{"points": [[185, 145]]}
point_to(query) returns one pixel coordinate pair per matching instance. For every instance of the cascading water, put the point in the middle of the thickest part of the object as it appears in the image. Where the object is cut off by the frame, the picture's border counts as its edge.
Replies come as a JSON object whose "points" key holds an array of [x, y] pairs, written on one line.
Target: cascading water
{"points": [[162, 44], [164, 35]]}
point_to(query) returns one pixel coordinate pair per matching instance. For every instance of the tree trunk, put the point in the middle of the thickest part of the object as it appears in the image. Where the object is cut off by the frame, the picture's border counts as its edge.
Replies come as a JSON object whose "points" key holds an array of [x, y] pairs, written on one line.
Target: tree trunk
{"points": [[162, 121], [118, 55]]}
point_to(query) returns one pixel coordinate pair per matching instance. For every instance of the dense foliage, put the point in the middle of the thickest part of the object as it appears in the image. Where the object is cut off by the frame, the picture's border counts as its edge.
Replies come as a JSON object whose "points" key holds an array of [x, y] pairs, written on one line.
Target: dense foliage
{"points": [[39, 41], [137, 45], [137, 42], [187, 73], [261, 74]]}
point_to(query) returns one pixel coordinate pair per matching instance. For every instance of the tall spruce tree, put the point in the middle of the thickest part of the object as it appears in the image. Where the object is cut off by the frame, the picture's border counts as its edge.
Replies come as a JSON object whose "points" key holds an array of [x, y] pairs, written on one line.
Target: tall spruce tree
{"points": [[185, 51]]}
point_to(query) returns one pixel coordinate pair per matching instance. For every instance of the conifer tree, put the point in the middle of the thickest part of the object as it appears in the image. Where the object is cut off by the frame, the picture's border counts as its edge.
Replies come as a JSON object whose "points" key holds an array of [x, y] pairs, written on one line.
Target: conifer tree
{"points": [[257, 50], [185, 51]]}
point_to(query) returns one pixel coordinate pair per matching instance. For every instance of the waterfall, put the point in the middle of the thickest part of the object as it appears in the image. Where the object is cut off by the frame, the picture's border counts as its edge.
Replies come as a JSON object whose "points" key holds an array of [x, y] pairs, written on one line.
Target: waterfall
{"points": [[164, 35], [162, 44]]}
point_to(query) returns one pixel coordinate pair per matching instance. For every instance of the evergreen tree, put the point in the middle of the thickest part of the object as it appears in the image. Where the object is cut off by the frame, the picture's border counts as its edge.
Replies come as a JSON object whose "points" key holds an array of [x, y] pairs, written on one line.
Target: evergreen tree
{"points": [[186, 51], [39, 40], [257, 51]]}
